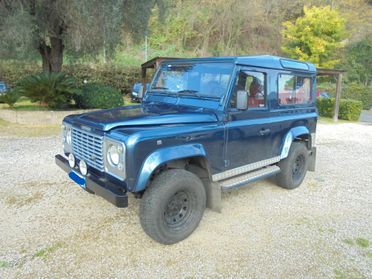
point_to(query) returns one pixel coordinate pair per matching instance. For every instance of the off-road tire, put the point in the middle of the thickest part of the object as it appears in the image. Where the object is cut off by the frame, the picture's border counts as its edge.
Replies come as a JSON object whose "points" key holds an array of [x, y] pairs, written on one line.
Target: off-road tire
{"points": [[172, 206], [294, 167]]}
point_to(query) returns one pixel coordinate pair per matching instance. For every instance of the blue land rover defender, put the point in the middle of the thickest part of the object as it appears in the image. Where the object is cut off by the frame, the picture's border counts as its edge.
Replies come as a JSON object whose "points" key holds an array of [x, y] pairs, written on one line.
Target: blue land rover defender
{"points": [[205, 125]]}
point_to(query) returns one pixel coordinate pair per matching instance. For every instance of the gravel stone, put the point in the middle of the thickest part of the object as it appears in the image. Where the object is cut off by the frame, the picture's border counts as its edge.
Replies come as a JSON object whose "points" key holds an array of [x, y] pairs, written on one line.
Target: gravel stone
{"points": [[50, 228]]}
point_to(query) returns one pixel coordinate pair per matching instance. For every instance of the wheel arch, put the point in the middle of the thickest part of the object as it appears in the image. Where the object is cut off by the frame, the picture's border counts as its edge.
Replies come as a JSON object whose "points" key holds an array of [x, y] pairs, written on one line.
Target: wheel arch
{"points": [[181, 156], [296, 134]]}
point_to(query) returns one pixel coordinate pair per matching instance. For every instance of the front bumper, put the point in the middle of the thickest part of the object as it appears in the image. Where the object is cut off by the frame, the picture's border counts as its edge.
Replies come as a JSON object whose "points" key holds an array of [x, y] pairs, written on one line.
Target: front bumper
{"points": [[97, 186]]}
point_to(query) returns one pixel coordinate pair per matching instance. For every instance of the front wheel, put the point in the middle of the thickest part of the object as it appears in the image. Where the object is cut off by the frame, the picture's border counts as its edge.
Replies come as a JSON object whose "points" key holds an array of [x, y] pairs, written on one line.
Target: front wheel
{"points": [[294, 167], [172, 206]]}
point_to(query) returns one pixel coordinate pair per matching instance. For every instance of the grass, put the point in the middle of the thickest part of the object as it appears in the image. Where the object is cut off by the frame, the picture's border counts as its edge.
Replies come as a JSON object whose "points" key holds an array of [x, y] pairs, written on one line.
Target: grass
{"points": [[42, 253], [348, 241], [25, 104], [327, 120], [348, 274], [362, 242], [12, 129], [4, 264]]}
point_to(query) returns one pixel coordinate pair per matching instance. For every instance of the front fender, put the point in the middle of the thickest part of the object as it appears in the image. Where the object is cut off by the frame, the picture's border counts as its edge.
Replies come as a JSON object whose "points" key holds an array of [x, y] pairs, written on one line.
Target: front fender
{"points": [[163, 155], [293, 133]]}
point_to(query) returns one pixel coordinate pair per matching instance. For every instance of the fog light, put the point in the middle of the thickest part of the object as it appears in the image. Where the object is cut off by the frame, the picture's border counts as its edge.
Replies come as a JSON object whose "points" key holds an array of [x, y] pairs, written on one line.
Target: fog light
{"points": [[71, 160], [83, 167]]}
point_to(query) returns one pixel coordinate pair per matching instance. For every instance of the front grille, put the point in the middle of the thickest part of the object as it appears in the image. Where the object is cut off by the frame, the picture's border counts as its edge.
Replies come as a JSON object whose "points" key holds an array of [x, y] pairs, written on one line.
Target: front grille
{"points": [[88, 147]]}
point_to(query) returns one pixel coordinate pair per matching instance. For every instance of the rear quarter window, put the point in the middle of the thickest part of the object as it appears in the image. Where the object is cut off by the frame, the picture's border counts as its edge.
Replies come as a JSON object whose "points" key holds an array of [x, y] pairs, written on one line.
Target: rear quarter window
{"points": [[293, 89]]}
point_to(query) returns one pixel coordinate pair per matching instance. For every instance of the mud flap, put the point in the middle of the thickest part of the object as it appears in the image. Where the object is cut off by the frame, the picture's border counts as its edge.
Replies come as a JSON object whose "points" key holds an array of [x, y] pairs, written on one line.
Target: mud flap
{"points": [[214, 196], [312, 159]]}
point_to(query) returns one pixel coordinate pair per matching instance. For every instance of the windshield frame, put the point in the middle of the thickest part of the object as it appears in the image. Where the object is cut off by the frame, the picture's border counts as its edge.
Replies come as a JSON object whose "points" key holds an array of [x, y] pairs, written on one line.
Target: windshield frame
{"points": [[190, 93]]}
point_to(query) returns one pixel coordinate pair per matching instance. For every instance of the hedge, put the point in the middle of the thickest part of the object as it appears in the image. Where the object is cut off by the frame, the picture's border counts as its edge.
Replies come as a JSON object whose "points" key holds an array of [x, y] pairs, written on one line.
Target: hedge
{"points": [[96, 95], [119, 77], [349, 109], [359, 92]]}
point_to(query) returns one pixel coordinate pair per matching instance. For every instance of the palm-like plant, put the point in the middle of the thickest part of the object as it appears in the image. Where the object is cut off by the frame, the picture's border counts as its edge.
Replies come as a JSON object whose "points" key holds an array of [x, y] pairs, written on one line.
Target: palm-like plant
{"points": [[56, 90]]}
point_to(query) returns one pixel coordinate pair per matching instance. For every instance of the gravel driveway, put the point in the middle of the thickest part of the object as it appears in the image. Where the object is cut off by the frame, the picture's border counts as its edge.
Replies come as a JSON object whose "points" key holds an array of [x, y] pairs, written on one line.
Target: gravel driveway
{"points": [[49, 227]]}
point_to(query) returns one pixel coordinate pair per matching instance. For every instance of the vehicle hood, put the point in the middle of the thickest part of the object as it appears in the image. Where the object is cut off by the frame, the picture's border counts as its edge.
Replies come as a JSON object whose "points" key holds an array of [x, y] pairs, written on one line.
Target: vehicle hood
{"points": [[142, 115]]}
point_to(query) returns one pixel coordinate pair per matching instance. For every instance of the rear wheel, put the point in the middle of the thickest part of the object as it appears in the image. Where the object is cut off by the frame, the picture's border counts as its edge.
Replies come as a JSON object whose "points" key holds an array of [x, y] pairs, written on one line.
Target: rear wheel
{"points": [[172, 206], [294, 167]]}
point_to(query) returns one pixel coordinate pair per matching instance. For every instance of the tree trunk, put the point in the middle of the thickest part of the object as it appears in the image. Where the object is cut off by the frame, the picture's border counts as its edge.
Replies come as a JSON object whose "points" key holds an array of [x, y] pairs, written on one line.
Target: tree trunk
{"points": [[52, 56], [56, 57], [45, 52]]}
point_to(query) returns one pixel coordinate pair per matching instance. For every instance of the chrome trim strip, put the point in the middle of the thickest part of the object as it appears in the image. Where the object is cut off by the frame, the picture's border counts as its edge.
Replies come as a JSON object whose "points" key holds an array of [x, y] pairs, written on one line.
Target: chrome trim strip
{"points": [[245, 168], [246, 178]]}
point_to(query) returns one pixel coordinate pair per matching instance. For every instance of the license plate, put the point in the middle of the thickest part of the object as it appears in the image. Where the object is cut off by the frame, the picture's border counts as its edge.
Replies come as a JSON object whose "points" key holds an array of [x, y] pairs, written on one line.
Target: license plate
{"points": [[80, 180]]}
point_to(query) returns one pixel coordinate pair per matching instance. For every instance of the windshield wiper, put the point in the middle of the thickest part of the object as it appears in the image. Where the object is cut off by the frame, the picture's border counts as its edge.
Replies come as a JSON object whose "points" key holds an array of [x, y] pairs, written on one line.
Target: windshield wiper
{"points": [[159, 88], [188, 91]]}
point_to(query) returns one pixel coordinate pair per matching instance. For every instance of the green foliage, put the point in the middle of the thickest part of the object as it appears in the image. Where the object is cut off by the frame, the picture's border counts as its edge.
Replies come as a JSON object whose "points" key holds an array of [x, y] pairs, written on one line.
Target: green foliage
{"points": [[362, 242], [349, 109], [325, 106], [10, 98], [359, 92], [120, 77], [56, 90], [315, 37], [97, 95], [358, 61], [12, 71]]}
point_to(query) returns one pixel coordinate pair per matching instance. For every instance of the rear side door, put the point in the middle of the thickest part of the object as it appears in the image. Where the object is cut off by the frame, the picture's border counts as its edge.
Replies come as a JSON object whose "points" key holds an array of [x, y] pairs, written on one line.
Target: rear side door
{"points": [[250, 132]]}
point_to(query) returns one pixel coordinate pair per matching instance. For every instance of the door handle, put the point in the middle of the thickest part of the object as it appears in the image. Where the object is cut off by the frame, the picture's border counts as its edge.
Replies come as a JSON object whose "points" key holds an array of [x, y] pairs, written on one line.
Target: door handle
{"points": [[264, 132]]}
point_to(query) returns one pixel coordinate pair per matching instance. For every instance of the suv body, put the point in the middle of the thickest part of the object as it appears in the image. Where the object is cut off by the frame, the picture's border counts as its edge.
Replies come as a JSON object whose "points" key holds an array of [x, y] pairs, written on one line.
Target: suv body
{"points": [[205, 125], [3, 88], [136, 91]]}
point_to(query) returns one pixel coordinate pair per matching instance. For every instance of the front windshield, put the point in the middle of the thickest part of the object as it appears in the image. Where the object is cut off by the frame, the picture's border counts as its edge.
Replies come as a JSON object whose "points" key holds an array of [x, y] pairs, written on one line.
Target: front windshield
{"points": [[209, 80]]}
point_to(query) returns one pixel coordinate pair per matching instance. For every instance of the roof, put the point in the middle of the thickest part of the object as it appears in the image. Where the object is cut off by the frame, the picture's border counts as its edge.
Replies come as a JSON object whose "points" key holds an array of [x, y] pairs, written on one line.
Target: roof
{"points": [[329, 72], [153, 61], [263, 61]]}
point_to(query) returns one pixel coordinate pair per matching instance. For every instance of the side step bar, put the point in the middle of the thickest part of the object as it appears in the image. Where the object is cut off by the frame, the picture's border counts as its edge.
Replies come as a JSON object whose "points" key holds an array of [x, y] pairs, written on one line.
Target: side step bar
{"points": [[249, 177]]}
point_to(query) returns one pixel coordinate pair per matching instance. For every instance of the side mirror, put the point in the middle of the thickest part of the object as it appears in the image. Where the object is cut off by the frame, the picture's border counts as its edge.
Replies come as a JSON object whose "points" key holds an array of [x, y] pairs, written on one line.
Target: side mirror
{"points": [[241, 100], [140, 92]]}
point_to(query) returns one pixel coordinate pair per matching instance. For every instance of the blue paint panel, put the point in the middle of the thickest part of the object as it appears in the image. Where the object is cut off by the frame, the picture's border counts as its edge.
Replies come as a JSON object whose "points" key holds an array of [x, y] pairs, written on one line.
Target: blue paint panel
{"points": [[164, 155], [291, 64], [77, 179], [298, 131], [146, 114]]}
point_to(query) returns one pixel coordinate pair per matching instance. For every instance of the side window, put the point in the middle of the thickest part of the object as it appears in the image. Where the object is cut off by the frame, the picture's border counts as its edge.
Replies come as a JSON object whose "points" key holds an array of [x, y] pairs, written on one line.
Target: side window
{"points": [[254, 83], [293, 89]]}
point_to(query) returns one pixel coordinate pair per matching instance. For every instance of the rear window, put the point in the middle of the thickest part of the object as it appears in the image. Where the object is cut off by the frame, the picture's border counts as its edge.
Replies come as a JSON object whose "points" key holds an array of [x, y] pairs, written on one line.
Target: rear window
{"points": [[294, 89]]}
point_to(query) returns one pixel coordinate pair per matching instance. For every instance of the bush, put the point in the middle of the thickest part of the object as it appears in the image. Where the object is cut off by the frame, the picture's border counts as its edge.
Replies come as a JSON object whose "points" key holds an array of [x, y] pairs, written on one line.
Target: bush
{"points": [[349, 109], [97, 95], [359, 92], [118, 77], [56, 90], [10, 98], [325, 106]]}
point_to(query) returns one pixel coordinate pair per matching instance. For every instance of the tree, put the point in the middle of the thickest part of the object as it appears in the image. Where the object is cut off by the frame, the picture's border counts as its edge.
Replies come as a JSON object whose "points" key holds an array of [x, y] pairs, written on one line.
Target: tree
{"points": [[358, 61], [51, 27], [315, 37]]}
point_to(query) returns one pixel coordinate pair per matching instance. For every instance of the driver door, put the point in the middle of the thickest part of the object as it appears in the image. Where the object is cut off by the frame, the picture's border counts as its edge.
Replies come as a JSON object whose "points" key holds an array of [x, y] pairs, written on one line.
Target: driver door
{"points": [[249, 131]]}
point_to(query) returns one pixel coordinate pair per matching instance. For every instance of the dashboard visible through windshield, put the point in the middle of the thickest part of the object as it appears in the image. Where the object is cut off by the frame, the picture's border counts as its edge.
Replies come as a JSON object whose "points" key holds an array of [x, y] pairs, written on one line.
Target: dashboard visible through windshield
{"points": [[207, 80]]}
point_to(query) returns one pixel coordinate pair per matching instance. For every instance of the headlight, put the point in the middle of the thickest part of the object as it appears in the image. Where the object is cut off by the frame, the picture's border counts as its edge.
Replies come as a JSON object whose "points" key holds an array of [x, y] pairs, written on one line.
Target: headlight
{"points": [[63, 133], [115, 158], [66, 132], [113, 155], [68, 136]]}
